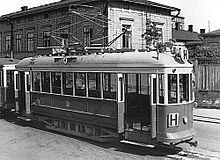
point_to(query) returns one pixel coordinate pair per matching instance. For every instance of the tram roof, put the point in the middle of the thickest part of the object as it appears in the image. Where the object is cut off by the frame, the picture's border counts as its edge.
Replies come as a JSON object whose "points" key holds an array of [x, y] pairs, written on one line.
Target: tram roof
{"points": [[8, 61], [126, 59]]}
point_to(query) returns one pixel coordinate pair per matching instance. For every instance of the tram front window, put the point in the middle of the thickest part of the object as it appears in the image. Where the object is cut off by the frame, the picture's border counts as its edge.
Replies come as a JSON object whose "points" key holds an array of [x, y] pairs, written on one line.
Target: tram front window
{"points": [[161, 88], [172, 88], [184, 87]]}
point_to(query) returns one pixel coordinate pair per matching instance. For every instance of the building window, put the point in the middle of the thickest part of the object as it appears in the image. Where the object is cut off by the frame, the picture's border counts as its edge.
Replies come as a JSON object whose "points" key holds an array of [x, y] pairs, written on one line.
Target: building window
{"points": [[64, 34], [18, 42], [87, 35], [8, 42], [46, 38], [127, 36], [30, 41]]}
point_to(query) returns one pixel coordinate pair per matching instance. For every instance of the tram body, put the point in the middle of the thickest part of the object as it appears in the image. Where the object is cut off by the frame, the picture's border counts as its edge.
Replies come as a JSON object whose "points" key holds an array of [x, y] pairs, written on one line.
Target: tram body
{"points": [[8, 88], [134, 96]]}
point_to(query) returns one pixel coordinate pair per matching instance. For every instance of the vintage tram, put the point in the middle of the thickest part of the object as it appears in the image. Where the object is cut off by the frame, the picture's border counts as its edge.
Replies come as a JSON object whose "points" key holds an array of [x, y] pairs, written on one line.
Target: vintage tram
{"points": [[8, 85], [135, 96]]}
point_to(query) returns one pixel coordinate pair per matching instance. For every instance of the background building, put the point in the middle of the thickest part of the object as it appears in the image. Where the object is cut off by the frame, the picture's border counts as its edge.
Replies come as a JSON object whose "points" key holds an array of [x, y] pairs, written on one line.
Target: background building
{"points": [[22, 32], [212, 39]]}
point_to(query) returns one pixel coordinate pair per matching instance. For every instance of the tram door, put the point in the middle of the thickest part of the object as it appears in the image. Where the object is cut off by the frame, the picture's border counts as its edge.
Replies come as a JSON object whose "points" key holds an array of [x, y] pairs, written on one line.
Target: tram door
{"points": [[138, 107], [27, 92], [24, 93]]}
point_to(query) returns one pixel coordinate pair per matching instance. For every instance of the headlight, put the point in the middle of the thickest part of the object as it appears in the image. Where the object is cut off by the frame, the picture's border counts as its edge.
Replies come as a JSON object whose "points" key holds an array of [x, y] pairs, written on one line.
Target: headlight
{"points": [[185, 119]]}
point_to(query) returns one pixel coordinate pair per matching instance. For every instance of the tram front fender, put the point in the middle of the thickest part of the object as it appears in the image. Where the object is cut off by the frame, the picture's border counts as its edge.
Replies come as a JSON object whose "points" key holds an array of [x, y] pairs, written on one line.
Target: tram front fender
{"points": [[176, 137]]}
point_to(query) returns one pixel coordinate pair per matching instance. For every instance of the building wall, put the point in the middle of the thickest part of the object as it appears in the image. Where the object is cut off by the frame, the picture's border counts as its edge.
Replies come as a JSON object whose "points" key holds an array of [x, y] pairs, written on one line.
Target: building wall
{"points": [[51, 20], [136, 17], [212, 41]]}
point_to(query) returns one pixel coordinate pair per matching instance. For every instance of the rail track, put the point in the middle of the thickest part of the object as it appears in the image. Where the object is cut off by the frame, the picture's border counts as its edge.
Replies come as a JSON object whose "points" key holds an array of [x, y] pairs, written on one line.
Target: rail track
{"points": [[171, 152], [206, 119]]}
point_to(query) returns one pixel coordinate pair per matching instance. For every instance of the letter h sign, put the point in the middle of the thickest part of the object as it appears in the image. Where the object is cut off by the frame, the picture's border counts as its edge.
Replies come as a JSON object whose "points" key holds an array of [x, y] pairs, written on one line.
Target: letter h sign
{"points": [[173, 120]]}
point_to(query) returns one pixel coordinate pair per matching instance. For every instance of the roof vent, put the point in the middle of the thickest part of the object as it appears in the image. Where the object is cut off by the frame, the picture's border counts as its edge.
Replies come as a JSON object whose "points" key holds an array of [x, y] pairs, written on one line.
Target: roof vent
{"points": [[24, 8]]}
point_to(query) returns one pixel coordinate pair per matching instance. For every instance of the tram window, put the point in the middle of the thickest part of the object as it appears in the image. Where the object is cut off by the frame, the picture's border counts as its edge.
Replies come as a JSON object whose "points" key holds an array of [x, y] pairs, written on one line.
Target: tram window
{"points": [[145, 84], [1, 78], [172, 88], [28, 82], [45, 79], [161, 88], [17, 81], [56, 82], [109, 85], [80, 84], [94, 85], [191, 87], [36, 81], [131, 83], [184, 87], [10, 78], [68, 83]]}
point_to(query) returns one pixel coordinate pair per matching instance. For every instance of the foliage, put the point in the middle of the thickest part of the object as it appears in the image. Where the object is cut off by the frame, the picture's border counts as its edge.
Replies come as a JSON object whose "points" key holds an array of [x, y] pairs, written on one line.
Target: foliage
{"points": [[206, 51]]}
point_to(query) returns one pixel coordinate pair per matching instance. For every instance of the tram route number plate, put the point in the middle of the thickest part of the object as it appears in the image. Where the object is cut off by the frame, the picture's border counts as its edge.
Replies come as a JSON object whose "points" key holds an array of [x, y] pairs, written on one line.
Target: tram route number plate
{"points": [[173, 119]]}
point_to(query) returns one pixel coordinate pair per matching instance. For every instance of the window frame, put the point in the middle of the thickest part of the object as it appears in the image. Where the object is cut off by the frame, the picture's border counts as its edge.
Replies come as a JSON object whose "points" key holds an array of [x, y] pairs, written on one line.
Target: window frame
{"points": [[30, 41]]}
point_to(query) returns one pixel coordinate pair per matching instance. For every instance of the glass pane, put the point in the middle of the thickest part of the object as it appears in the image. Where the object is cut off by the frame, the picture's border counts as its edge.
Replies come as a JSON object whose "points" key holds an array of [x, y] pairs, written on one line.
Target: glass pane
{"points": [[131, 83], [45, 80], [36, 81], [56, 82], [109, 85], [192, 83], [68, 83], [161, 88], [184, 87], [145, 84], [172, 88], [80, 84], [10, 78], [94, 85]]}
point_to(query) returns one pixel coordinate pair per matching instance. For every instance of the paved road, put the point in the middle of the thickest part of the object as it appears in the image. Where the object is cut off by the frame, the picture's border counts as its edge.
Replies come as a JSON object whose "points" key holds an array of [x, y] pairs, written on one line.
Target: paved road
{"points": [[19, 142]]}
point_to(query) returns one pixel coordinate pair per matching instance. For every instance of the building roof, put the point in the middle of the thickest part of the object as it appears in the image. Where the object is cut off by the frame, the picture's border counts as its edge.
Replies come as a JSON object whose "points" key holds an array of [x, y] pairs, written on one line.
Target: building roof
{"points": [[186, 36], [66, 3], [213, 33]]}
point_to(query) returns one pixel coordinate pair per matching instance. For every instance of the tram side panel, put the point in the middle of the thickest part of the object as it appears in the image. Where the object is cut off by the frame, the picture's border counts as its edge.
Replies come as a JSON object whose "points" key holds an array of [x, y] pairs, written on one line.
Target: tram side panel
{"points": [[95, 112]]}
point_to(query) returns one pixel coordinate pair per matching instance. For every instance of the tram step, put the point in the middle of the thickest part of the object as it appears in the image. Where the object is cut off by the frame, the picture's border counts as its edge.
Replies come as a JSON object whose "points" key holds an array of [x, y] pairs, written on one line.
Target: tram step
{"points": [[24, 119], [137, 143]]}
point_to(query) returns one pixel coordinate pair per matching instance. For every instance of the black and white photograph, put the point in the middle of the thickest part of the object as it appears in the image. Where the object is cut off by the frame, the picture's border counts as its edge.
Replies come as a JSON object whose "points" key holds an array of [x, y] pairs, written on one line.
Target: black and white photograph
{"points": [[109, 79]]}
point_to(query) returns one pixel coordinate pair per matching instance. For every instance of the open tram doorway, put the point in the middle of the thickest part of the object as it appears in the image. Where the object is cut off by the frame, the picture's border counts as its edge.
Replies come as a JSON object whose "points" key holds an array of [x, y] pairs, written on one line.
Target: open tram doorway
{"points": [[138, 100], [24, 93]]}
